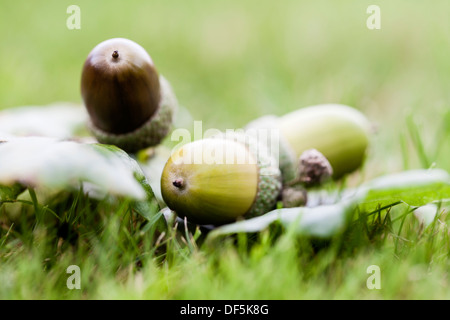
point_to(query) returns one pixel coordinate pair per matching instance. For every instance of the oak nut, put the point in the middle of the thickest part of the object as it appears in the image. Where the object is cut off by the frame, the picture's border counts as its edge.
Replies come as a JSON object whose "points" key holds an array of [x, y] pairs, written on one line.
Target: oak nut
{"points": [[339, 132], [129, 104], [220, 179]]}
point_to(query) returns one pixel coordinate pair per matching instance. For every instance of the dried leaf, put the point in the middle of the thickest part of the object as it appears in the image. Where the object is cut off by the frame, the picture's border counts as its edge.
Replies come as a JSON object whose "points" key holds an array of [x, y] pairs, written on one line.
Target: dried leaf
{"points": [[59, 120], [59, 165]]}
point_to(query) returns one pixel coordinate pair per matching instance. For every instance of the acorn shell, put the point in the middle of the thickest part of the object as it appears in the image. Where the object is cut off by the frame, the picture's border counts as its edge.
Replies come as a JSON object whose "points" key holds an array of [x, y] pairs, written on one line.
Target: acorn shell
{"points": [[129, 104], [232, 184], [339, 132]]}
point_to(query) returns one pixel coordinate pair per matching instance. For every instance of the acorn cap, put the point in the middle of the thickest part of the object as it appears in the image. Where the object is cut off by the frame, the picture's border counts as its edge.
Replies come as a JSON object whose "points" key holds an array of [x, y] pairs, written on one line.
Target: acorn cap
{"points": [[218, 180], [124, 95], [259, 128]]}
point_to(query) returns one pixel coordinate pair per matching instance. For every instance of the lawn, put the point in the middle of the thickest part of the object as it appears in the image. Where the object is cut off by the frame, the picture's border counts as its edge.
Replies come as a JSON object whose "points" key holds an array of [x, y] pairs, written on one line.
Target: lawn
{"points": [[230, 62]]}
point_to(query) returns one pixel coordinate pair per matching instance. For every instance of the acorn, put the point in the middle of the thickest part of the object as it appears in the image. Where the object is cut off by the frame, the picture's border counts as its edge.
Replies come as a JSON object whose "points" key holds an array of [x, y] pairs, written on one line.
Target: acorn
{"points": [[129, 104], [341, 133], [220, 179]]}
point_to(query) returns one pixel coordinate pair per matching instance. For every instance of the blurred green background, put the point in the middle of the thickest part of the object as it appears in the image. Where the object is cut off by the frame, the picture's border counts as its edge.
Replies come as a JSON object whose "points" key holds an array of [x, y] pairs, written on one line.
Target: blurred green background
{"points": [[232, 61]]}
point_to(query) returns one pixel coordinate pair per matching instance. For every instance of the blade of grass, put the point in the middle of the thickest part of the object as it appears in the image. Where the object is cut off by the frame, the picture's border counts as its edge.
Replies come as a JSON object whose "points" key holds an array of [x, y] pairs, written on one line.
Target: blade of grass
{"points": [[417, 141]]}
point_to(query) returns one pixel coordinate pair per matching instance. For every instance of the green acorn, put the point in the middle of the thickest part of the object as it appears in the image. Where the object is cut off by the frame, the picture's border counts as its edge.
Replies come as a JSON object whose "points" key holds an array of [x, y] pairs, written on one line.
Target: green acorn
{"points": [[129, 104], [341, 133], [219, 180]]}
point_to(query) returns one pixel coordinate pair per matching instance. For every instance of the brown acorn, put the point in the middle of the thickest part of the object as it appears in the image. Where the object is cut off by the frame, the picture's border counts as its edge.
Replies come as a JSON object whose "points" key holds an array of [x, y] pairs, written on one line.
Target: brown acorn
{"points": [[129, 104]]}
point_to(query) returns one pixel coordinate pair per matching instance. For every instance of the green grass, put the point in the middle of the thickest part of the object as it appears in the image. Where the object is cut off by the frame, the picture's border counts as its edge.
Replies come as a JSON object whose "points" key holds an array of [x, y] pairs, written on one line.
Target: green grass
{"points": [[117, 261], [230, 62]]}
